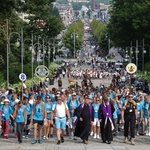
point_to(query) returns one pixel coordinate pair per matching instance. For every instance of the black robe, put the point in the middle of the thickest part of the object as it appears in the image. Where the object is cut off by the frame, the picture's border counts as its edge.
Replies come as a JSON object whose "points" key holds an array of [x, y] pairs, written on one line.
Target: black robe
{"points": [[106, 130], [82, 129]]}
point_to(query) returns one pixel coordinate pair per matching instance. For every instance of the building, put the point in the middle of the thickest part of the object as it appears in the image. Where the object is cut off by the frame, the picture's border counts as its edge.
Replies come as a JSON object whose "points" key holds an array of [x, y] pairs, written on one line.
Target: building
{"points": [[66, 12], [79, 1]]}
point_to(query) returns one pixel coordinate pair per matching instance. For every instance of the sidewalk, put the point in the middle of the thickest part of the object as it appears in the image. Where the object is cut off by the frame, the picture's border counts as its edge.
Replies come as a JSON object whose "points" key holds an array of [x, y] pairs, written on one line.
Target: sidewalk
{"points": [[94, 144]]}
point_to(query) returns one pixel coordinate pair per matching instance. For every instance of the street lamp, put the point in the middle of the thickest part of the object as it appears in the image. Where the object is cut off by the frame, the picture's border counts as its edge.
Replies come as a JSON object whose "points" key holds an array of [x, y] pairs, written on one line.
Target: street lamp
{"points": [[32, 53], [8, 50], [74, 35], [44, 52], [143, 52]]}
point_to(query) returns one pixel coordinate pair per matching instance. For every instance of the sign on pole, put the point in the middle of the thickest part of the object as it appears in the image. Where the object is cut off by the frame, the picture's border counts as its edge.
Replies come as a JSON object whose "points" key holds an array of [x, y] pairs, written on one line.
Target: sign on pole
{"points": [[22, 76], [131, 68], [41, 72]]}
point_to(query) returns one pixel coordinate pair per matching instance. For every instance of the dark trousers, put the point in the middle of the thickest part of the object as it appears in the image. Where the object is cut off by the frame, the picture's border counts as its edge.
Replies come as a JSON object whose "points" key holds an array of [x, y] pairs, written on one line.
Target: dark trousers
{"points": [[129, 122], [106, 132], [20, 128]]}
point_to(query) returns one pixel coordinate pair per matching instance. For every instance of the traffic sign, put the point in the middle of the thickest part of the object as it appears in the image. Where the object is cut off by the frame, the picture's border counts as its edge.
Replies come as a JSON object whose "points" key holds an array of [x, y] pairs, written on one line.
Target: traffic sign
{"points": [[41, 71], [22, 76]]}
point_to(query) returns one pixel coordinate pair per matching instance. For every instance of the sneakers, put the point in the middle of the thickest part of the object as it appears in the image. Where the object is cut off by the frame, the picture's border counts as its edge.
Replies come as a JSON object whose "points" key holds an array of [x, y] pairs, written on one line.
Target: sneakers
{"points": [[26, 136], [51, 135], [20, 141], [58, 143], [40, 141], [85, 142], [91, 133], [6, 137], [44, 137], [94, 136], [125, 140], [97, 137], [34, 142], [132, 142], [62, 139]]}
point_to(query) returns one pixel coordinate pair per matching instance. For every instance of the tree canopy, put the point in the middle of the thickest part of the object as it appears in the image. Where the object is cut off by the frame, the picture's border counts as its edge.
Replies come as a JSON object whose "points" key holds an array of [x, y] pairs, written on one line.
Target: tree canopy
{"points": [[100, 34], [43, 19], [75, 30], [129, 21]]}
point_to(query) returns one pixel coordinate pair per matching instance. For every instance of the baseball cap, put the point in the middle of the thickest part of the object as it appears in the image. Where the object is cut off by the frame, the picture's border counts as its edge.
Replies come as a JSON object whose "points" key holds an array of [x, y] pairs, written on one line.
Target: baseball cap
{"points": [[6, 100]]}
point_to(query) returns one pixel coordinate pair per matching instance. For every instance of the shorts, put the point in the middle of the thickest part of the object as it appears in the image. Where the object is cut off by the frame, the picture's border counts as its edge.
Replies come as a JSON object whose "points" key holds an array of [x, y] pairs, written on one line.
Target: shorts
{"points": [[39, 122], [96, 122], [60, 123]]}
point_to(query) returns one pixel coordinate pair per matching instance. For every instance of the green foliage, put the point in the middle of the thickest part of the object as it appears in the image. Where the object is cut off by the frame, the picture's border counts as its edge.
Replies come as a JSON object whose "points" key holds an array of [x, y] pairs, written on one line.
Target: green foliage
{"points": [[145, 75], [75, 30], [51, 68], [147, 66], [100, 32], [9, 10], [129, 21]]}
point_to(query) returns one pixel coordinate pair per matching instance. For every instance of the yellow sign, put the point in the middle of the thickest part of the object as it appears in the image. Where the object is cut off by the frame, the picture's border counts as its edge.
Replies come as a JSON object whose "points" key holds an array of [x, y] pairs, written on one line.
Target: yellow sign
{"points": [[131, 68]]}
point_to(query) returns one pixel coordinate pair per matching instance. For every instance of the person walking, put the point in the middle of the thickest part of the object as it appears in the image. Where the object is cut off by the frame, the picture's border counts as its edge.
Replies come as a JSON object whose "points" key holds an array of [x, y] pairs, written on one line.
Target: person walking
{"points": [[5, 113], [85, 118], [37, 118], [20, 117], [60, 83], [59, 113], [129, 118], [96, 123], [48, 127], [105, 116]]}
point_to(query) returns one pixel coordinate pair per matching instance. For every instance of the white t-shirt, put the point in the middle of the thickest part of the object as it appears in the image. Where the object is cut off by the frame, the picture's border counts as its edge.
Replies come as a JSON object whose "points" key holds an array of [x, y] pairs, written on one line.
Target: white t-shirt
{"points": [[60, 109]]}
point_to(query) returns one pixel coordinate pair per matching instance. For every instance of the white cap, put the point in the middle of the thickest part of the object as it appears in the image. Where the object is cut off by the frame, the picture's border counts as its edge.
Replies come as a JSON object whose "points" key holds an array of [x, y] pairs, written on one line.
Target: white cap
{"points": [[17, 100], [63, 90], [6, 100], [74, 93]]}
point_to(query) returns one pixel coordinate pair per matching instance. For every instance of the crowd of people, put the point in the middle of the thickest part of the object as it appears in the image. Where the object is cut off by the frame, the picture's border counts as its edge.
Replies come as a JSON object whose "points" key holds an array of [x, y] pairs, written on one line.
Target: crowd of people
{"points": [[78, 112]]}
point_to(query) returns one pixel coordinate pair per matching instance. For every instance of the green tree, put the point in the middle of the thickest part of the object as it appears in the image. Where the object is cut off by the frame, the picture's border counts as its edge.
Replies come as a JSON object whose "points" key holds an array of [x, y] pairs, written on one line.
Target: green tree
{"points": [[129, 21], [100, 35], [39, 11], [68, 38]]}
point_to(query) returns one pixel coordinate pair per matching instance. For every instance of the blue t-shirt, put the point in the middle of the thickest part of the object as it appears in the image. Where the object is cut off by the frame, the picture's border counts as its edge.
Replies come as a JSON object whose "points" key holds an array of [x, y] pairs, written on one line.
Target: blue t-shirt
{"points": [[38, 112], [73, 104], [29, 108], [145, 109], [20, 114], [139, 108], [6, 112], [48, 108], [96, 108], [115, 116]]}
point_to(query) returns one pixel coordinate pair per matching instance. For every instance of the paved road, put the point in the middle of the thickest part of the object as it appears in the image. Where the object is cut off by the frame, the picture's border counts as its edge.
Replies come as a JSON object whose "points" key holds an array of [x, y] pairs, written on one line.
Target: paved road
{"points": [[96, 82], [141, 142]]}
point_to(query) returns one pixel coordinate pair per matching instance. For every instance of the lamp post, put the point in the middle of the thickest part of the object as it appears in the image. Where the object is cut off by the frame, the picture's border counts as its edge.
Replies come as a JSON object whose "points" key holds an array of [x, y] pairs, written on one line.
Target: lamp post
{"points": [[49, 53], [32, 53], [74, 35], [143, 52], [148, 49], [8, 50], [44, 52]]}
